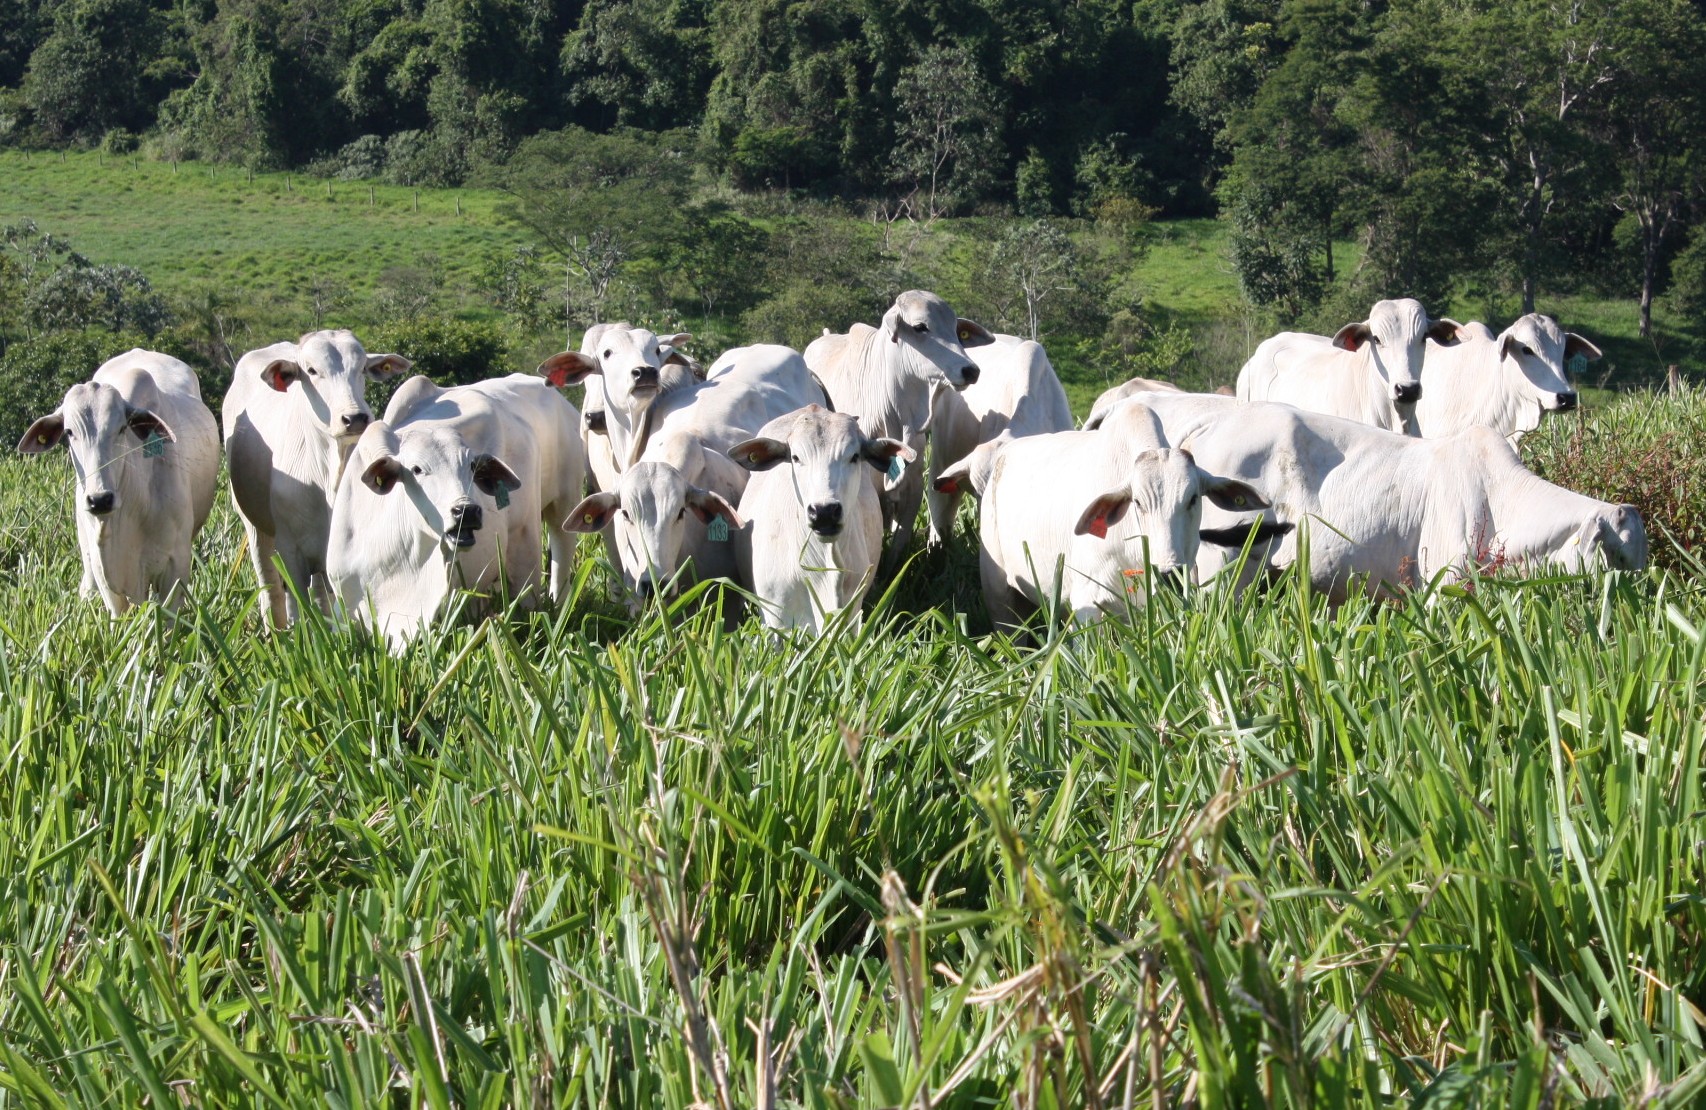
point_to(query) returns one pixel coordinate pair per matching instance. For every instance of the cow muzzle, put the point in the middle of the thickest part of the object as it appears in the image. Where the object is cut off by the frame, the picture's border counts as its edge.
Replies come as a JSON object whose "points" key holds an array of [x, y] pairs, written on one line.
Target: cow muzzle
{"points": [[100, 504], [969, 373], [352, 424], [824, 518], [1408, 393], [1565, 402], [645, 379], [465, 520]]}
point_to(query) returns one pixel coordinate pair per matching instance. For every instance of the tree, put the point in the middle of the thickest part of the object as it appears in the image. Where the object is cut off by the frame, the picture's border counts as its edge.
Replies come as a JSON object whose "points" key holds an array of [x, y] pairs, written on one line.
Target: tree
{"points": [[719, 254], [1035, 261], [640, 63], [94, 71], [596, 201], [1656, 121], [947, 133]]}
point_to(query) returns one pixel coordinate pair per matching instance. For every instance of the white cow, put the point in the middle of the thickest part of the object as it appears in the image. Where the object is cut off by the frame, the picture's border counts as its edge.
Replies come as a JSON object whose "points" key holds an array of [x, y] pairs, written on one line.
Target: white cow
{"points": [[1369, 372], [449, 492], [1504, 382], [1094, 519], [814, 529], [1016, 392], [661, 516], [1393, 509], [637, 369], [689, 430], [884, 377], [291, 417], [1113, 396], [145, 450]]}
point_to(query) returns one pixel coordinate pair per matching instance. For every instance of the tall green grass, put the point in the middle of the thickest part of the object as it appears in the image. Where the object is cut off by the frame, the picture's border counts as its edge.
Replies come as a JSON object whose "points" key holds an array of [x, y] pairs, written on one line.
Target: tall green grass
{"points": [[1242, 852]]}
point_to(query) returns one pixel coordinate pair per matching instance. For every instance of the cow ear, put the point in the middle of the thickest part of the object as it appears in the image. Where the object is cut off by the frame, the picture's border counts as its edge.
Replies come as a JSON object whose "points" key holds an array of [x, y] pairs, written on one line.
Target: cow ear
{"points": [[1351, 337], [759, 454], [891, 323], [593, 514], [972, 333], [1575, 345], [880, 453], [1232, 495], [494, 478], [43, 435], [382, 474], [145, 424], [1446, 332], [279, 373], [568, 368], [1107, 509], [387, 365], [678, 339], [708, 506]]}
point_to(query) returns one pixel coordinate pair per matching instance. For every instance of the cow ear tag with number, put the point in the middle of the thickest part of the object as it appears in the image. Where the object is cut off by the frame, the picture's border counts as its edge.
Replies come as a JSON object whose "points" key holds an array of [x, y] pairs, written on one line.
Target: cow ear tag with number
{"points": [[154, 446], [718, 530], [895, 467], [502, 496]]}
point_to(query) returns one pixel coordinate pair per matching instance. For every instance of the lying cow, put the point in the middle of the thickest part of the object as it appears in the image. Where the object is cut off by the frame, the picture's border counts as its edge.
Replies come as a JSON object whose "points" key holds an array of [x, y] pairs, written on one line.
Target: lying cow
{"points": [[291, 416], [1093, 519], [815, 530], [1369, 372], [1505, 382], [689, 429], [1017, 393], [1390, 510], [884, 378], [449, 492], [145, 451]]}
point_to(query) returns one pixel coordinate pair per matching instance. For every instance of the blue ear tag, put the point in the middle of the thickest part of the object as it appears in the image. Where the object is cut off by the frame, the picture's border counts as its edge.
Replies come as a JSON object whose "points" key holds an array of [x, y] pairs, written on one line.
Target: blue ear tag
{"points": [[895, 467], [502, 496], [154, 446], [718, 530]]}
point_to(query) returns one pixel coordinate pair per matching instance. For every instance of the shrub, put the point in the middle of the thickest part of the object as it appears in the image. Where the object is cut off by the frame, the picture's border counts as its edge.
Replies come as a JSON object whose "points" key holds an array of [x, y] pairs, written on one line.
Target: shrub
{"points": [[1647, 450], [35, 373], [450, 352]]}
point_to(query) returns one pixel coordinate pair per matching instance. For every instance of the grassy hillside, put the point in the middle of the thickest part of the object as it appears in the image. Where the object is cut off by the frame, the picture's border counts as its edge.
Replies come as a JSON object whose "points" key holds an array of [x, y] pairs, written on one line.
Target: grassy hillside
{"points": [[1246, 852], [266, 238]]}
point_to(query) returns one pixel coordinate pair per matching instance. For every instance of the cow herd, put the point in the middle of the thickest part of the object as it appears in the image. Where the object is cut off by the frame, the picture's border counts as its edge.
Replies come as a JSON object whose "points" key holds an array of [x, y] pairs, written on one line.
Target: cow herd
{"points": [[1379, 457]]}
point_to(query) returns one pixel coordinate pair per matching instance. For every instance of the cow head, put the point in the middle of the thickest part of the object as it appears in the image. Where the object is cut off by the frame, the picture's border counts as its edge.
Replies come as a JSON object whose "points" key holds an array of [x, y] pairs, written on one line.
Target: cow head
{"points": [[1394, 335], [1155, 518], [330, 370], [649, 513], [630, 361], [930, 341], [105, 435], [439, 474], [1613, 537], [1535, 349], [826, 454]]}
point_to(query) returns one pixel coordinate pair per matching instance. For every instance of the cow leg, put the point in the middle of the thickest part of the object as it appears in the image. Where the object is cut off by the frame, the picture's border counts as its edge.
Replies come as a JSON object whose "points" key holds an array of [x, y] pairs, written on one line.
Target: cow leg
{"points": [[943, 507], [261, 550], [562, 546], [999, 597], [909, 493]]}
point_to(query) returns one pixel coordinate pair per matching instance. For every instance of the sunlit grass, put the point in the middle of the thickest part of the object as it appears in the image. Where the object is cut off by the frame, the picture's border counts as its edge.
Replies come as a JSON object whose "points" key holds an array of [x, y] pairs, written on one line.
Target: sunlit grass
{"points": [[1241, 852]]}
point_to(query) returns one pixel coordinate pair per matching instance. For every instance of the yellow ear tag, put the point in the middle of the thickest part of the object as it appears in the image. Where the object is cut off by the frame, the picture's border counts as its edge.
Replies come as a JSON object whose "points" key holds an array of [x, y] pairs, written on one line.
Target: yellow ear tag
{"points": [[41, 439], [1239, 501], [752, 458], [965, 334]]}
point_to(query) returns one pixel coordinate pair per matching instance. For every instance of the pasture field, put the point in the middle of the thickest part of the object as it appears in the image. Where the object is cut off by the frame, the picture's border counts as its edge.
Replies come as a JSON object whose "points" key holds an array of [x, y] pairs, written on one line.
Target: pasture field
{"points": [[1243, 852]]}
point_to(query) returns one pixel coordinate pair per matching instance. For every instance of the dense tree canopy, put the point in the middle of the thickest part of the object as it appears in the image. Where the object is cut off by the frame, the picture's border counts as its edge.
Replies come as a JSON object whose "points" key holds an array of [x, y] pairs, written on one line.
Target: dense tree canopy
{"points": [[1415, 147]]}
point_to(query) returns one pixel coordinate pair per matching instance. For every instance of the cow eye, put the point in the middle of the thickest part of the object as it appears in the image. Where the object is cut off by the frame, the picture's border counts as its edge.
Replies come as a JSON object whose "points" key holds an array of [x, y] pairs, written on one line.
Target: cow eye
{"points": [[416, 469], [1196, 499], [66, 435], [793, 458], [608, 353], [920, 328], [1523, 349], [626, 517], [682, 514]]}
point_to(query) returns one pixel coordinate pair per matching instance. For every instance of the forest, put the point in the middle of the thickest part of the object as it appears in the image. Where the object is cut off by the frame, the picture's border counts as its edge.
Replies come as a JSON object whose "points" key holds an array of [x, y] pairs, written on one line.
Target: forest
{"points": [[1478, 155]]}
